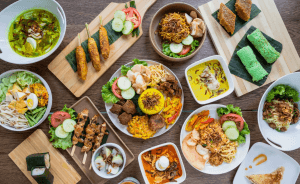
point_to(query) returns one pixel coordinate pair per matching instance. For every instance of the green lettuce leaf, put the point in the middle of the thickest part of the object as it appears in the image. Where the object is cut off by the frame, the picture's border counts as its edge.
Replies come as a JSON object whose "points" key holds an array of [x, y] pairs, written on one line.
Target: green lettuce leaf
{"points": [[107, 94], [59, 142], [283, 92], [71, 111], [229, 109], [167, 51]]}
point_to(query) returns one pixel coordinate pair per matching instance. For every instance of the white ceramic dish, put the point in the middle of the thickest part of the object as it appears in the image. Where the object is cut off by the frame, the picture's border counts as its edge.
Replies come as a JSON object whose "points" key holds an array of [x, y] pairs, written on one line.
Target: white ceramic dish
{"points": [[179, 180], [242, 150], [10, 72], [114, 117], [226, 71], [11, 12], [289, 140], [276, 159], [102, 173]]}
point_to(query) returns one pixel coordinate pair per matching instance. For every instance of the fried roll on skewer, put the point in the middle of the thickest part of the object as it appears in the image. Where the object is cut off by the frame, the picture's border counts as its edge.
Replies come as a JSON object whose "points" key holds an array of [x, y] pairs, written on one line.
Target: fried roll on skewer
{"points": [[93, 51], [103, 39], [81, 61]]}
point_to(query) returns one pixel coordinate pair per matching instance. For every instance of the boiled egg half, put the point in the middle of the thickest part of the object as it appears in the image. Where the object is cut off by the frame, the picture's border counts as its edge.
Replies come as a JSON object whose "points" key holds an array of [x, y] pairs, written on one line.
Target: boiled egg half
{"points": [[32, 101], [31, 44]]}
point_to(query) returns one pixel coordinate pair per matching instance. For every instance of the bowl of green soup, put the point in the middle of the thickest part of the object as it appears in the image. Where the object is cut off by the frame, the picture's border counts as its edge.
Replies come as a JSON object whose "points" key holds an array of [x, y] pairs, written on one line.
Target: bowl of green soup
{"points": [[31, 30]]}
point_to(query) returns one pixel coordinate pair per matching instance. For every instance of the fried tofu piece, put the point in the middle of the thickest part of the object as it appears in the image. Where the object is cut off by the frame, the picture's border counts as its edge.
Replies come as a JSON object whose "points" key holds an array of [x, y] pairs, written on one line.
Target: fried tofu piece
{"points": [[227, 18], [243, 9]]}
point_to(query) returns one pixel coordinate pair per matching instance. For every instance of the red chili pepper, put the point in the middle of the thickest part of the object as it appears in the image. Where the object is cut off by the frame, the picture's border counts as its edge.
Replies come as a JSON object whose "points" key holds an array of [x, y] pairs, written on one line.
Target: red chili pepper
{"points": [[133, 16], [170, 119], [208, 121]]}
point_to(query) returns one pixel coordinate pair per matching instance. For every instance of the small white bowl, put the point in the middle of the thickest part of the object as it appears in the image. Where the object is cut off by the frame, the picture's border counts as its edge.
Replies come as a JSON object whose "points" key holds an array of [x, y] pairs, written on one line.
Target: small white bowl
{"points": [[102, 173], [11, 12], [10, 72], [289, 140], [179, 180], [227, 73]]}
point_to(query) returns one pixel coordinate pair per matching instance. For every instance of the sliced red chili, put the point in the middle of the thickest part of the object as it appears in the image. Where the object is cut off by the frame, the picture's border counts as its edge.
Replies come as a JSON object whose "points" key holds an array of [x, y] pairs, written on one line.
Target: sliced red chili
{"points": [[170, 119], [208, 121]]}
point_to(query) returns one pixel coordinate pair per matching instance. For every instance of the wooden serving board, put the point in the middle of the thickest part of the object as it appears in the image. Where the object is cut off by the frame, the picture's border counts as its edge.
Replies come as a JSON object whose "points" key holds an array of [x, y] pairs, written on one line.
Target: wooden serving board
{"points": [[62, 69], [268, 21], [113, 137], [38, 142]]}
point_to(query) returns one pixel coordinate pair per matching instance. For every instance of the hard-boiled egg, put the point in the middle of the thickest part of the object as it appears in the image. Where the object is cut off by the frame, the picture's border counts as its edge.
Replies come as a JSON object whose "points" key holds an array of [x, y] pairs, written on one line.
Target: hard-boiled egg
{"points": [[32, 101], [32, 42]]}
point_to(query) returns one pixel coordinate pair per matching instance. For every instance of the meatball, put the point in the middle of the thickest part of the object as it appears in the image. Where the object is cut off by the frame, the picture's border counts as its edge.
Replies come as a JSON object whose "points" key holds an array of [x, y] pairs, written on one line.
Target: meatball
{"points": [[272, 125], [116, 109], [129, 107], [283, 129], [125, 118], [156, 122]]}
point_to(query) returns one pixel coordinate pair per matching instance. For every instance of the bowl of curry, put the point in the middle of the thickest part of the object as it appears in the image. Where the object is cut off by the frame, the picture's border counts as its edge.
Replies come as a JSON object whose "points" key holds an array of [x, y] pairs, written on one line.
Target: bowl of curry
{"points": [[209, 79], [173, 172]]}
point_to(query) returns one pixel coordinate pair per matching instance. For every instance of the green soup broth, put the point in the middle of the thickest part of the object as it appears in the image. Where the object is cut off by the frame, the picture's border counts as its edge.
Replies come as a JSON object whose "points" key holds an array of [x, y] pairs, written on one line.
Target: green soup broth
{"points": [[34, 33]]}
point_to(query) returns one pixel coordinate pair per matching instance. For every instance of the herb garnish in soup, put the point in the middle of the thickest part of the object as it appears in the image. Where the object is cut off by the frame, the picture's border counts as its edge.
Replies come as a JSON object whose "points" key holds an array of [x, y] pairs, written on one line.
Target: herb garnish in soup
{"points": [[34, 33]]}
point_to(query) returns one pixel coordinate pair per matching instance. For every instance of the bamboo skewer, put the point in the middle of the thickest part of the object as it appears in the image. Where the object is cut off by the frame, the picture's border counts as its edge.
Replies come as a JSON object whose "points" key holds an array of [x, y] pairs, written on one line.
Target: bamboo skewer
{"points": [[73, 150]]}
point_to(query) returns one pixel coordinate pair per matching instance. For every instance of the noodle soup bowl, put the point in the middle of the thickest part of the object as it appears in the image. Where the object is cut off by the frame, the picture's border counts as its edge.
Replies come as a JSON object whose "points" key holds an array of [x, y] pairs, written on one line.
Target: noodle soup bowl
{"points": [[49, 105], [157, 41]]}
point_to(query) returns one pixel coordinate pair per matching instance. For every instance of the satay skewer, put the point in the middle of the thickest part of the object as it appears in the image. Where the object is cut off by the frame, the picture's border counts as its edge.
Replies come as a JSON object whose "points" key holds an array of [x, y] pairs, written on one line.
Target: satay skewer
{"points": [[89, 137]]}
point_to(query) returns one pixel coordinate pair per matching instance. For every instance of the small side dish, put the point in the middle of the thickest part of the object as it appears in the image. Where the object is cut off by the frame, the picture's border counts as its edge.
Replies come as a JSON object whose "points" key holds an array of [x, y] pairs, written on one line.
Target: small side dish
{"points": [[274, 177], [24, 100], [280, 109], [34, 33], [180, 33]]}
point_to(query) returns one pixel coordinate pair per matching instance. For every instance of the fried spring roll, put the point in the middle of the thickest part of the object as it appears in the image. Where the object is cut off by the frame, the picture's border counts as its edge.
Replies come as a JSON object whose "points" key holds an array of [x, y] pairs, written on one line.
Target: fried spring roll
{"points": [[104, 43], [93, 51], [81, 61]]}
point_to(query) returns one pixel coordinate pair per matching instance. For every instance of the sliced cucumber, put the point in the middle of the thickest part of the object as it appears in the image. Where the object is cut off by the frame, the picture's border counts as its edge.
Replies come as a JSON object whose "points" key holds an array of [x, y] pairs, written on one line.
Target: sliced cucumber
{"points": [[119, 14], [68, 125], [59, 132], [124, 83], [128, 27], [232, 133], [117, 25], [128, 94], [176, 48], [227, 124], [188, 41]]}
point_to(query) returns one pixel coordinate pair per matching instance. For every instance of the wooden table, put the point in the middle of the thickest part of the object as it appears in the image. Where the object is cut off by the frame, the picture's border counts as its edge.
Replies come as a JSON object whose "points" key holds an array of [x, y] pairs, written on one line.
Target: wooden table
{"points": [[79, 12]]}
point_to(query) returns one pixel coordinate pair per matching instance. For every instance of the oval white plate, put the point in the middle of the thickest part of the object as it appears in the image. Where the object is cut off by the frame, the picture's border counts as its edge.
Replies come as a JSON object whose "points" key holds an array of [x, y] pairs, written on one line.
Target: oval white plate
{"points": [[242, 150], [114, 117], [288, 140]]}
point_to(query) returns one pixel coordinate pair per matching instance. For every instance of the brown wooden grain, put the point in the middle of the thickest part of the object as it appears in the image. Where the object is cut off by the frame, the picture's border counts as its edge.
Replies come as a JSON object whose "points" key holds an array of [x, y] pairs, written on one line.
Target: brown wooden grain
{"points": [[80, 11]]}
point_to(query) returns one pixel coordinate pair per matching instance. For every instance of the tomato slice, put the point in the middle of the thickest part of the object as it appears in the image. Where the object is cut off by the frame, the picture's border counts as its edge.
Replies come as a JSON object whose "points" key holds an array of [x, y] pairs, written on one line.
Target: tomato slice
{"points": [[59, 117], [239, 121], [116, 90], [186, 49], [133, 15]]}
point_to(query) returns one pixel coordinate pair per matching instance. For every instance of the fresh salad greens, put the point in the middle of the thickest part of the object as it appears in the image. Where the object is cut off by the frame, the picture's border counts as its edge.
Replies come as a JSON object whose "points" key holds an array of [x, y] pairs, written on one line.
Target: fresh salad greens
{"points": [[125, 69], [167, 51], [107, 94], [66, 142], [283, 92], [34, 33], [229, 109], [34, 116], [23, 79]]}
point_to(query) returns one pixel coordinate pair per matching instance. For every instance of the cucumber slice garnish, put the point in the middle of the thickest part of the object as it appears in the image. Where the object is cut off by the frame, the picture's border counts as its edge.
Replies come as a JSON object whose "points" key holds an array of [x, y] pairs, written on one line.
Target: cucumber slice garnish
{"points": [[227, 124], [59, 132], [117, 25], [128, 27], [68, 125], [124, 83], [119, 14], [188, 41], [176, 48], [232, 133], [128, 94]]}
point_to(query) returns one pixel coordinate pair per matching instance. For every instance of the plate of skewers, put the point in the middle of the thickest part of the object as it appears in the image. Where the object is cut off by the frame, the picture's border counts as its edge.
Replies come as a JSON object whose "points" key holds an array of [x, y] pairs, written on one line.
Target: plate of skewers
{"points": [[81, 130]]}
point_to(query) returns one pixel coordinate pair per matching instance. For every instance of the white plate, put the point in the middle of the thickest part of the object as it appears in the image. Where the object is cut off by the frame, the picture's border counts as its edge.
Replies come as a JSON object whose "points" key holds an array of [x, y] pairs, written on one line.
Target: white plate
{"points": [[289, 140], [114, 117], [226, 71], [276, 159], [9, 73], [241, 150], [11, 12], [179, 180]]}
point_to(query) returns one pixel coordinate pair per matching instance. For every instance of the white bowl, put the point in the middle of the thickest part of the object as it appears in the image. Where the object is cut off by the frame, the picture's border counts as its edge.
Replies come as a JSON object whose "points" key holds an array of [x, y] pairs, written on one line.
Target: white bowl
{"points": [[179, 180], [240, 155], [10, 72], [11, 12], [227, 73], [289, 140], [102, 173]]}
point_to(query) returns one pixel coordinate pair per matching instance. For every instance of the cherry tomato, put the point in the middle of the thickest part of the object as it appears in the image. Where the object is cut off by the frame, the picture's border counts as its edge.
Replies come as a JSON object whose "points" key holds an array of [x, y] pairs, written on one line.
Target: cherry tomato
{"points": [[239, 121]]}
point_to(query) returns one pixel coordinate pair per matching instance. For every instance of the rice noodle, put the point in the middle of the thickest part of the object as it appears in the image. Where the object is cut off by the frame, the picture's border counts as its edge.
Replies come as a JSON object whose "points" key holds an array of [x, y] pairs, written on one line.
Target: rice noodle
{"points": [[11, 117]]}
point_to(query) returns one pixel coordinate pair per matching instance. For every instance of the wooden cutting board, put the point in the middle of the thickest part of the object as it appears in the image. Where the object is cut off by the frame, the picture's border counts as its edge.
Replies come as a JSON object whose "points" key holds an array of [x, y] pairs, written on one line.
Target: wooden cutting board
{"points": [[62, 69], [38, 142], [113, 137], [270, 22]]}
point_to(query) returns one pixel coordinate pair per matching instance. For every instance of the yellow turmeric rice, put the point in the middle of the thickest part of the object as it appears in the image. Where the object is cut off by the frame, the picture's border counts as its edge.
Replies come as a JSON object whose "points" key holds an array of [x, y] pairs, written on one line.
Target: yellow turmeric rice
{"points": [[139, 128], [151, 101]]}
